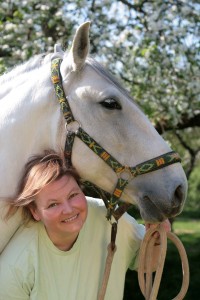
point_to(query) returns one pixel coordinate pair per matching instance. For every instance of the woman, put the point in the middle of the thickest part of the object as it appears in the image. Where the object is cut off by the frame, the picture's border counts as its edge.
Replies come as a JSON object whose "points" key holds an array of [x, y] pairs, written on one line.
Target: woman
{"points": [[60, 250]]}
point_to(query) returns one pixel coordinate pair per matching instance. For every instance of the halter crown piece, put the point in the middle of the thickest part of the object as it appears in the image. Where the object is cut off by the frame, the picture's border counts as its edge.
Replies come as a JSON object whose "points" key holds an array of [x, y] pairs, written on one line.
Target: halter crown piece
{"points": [[113, 204]]}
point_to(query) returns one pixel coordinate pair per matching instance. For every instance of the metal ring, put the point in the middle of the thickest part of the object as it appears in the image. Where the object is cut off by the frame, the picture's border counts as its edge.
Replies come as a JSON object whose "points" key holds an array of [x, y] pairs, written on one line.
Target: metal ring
{"points": [[73, 127], [125, 173]]}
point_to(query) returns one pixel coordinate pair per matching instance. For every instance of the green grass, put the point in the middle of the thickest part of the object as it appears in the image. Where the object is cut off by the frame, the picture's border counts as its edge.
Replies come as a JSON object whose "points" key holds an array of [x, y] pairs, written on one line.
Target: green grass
{"points": [[188, 231]]}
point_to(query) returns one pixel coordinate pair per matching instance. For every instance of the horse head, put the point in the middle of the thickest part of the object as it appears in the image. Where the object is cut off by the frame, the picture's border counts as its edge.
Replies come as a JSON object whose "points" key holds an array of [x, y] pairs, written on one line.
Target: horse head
{"points": [[106, 111]]}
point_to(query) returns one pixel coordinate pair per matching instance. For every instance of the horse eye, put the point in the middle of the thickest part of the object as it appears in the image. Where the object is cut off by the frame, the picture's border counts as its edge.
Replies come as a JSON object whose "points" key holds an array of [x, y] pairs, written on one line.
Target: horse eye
{"points": [[110, 104]]}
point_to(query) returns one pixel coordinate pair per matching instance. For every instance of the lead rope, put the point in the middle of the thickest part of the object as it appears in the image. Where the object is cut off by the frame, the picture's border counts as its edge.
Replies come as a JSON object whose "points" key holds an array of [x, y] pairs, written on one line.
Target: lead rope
{"points": [[149, 289], [111, 251], [106, 275]]}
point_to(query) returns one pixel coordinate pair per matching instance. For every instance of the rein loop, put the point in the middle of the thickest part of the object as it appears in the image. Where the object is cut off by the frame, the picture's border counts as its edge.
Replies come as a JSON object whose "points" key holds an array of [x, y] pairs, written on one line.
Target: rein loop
{"points": [[149, 284]]}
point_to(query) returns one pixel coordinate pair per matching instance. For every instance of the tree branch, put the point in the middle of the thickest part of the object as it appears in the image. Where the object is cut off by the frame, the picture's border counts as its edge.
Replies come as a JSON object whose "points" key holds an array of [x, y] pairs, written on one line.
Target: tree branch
{"points": [[185, 122], [137, 7], [193, 154]]}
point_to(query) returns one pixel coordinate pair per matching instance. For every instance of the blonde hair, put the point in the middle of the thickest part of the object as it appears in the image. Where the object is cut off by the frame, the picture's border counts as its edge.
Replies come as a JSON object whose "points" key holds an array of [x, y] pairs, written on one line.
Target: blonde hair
{"points": [[38, 172]]}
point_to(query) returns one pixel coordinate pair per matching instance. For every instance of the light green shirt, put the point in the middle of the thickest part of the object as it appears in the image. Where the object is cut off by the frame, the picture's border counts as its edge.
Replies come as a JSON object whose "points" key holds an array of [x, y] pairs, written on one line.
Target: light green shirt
{"points": [[31, 267]]}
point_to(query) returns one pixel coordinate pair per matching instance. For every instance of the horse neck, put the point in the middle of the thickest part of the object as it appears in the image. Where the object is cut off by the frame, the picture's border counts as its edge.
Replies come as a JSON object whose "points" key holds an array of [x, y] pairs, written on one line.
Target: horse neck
{"points": [[18, 75], [30, 122]]}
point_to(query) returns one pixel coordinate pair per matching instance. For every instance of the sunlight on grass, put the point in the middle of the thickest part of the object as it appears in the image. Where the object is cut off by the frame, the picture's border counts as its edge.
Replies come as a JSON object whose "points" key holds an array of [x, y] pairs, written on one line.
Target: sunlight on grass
{"points": [[182, 226]]}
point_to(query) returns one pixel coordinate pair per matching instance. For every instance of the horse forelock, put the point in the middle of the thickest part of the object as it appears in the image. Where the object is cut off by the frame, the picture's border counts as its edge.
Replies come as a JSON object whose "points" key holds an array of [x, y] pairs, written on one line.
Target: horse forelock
{"points": [[107, 75]]}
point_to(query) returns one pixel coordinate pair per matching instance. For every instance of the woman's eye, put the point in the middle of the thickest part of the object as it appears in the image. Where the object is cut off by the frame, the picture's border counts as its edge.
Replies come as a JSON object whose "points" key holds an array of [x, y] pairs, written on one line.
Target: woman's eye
{"points": [[111, 104], [52, 205], [73, 195]]}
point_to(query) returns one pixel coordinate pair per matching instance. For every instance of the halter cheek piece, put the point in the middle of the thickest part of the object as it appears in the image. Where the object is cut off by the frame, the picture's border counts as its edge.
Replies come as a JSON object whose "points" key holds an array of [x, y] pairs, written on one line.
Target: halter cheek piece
{"points": [[125, 174]]}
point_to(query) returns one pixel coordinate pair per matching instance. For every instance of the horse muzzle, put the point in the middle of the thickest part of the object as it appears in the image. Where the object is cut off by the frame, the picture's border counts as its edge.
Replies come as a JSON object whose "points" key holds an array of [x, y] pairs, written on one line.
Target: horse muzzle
{"points": [[159, 202]]}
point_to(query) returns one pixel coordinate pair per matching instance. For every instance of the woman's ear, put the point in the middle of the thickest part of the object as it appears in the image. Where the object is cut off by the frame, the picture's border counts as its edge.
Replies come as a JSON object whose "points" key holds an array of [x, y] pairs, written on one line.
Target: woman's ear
{"points": [[34, 212]]}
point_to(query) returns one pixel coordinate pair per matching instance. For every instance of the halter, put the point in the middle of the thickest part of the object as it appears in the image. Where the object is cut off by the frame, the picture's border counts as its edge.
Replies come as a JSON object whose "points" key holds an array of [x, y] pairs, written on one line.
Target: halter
{"points": [[125, 174]]}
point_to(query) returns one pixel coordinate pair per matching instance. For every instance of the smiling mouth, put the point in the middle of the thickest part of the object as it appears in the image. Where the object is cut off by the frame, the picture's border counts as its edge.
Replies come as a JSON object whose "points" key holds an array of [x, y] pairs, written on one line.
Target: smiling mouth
{"points": [[70, 219]]}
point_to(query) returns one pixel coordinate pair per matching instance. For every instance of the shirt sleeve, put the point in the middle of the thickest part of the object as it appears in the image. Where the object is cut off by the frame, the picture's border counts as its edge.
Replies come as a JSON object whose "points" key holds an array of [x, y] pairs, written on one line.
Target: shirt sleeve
{"points": [[16, 271], [131, 235], [15, 283]]}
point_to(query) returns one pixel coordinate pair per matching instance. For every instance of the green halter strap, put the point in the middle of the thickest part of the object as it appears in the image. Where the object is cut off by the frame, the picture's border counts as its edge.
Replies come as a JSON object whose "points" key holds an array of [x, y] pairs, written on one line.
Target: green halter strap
{"points": [[124, 173]]}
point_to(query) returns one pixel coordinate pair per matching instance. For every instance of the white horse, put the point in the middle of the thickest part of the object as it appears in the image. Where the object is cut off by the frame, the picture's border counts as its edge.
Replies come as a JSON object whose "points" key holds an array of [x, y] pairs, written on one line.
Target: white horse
{"points": [[31, 121]]}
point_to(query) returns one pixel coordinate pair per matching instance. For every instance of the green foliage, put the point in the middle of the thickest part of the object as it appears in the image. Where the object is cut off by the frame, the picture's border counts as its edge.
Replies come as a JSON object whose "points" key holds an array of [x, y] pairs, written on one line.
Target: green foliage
{"points": [[29, 28], [193, 201]]}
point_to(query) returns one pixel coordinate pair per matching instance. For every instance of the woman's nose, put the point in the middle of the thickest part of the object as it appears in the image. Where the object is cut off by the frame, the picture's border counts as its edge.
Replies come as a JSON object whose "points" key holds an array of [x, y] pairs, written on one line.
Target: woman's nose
{"points": [[67, 208]]}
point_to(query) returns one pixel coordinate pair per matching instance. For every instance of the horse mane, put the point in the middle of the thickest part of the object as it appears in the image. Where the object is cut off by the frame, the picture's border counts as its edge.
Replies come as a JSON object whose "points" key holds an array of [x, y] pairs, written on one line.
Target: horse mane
{"points": [[33, 63]]}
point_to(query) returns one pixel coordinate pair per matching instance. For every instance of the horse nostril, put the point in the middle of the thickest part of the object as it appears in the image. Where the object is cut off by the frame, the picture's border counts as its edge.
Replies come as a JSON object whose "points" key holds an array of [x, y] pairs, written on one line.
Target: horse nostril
{"points": [[178, 196]]}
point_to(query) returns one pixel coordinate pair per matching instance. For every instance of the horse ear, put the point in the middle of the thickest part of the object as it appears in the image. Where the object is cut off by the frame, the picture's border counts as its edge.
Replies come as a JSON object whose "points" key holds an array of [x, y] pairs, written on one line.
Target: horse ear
{"points": [[80, 46], [58, 52]]}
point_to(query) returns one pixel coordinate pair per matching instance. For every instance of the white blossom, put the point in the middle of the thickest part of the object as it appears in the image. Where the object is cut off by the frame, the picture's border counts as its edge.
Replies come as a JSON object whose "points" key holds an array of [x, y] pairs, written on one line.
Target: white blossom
{"points": [[9, 26]]}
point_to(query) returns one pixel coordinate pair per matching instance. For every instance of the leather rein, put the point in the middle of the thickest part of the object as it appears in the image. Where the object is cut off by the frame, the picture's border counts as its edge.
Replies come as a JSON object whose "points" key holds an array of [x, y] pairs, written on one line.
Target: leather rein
{"points": [[125, 174]]}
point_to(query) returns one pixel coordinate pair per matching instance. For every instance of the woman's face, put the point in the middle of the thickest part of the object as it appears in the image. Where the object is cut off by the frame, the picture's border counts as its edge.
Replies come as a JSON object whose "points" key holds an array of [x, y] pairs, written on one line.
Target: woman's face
{"points": [[62, 208]]}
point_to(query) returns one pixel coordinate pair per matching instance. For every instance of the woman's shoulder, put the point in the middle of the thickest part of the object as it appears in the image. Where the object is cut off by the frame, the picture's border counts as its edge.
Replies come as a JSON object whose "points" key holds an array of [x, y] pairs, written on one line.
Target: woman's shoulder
{"points": [[96, 206], [96, 211], [24, 238], [95, 202]]}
